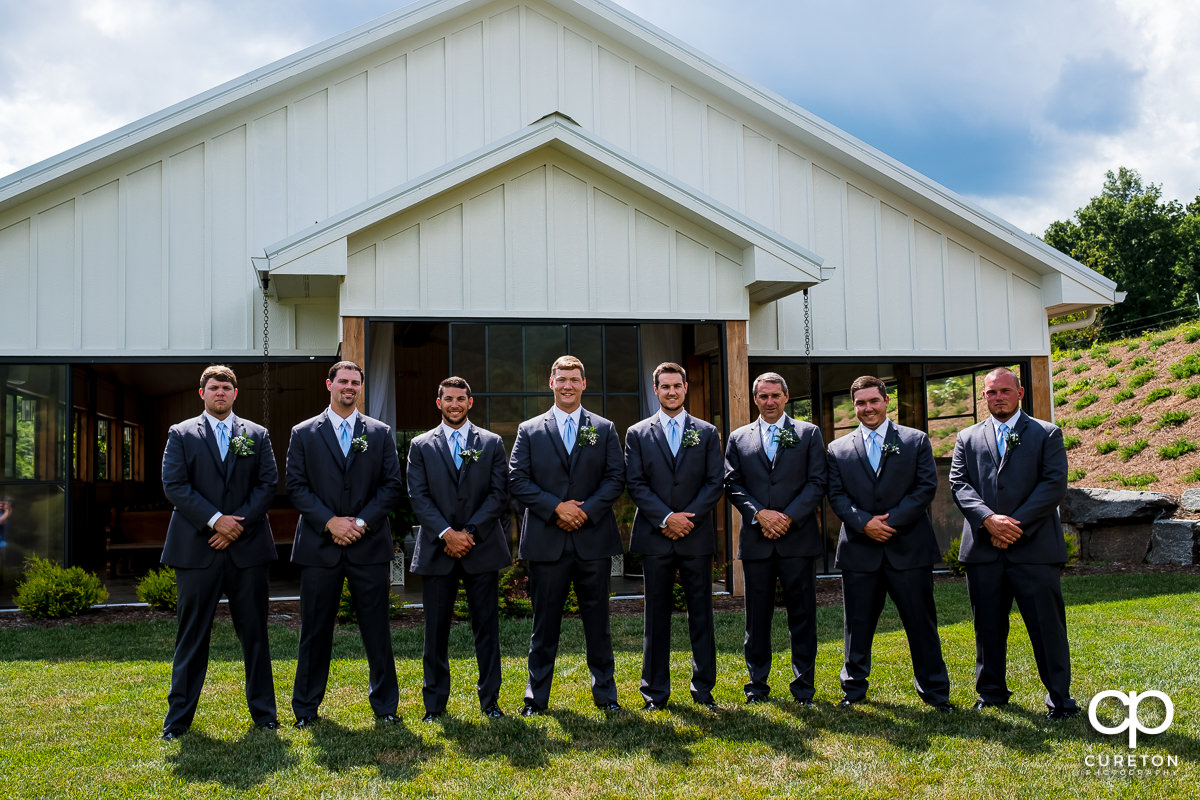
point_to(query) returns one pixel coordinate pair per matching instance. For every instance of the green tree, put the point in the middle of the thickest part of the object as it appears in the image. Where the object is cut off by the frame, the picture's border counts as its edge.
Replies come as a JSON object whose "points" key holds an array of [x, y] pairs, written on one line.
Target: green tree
{"points": [[1149, 246]]}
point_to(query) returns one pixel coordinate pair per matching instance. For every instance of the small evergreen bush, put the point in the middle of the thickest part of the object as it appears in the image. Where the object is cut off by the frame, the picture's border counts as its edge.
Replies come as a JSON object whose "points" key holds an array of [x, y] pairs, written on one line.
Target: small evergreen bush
{"points": [[158, 589], [49, 591]]}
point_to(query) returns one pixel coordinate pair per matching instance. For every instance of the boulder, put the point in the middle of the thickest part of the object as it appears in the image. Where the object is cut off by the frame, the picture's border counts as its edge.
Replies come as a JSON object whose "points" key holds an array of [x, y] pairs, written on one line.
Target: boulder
{"points": [[1172, 541], [1116, 544], [1190, 500], [1084, 507]]}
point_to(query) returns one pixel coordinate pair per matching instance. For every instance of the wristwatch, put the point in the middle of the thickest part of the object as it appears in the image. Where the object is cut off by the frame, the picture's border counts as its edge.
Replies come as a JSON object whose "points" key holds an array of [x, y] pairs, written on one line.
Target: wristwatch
{"points": [[360, 522]]}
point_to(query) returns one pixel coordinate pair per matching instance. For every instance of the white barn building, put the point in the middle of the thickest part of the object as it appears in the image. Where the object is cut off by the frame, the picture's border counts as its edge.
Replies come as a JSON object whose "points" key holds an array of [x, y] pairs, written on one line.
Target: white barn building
{"points": [[474, 187]]}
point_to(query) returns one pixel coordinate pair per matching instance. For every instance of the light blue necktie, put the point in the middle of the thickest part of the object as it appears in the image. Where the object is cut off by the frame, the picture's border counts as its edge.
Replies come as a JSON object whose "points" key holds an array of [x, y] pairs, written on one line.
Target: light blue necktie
{"points": [[1002, 439], [222, 439], [456, 437], [771, 445], [569, 434], [673, 437], [873, 450], [345, 437]]}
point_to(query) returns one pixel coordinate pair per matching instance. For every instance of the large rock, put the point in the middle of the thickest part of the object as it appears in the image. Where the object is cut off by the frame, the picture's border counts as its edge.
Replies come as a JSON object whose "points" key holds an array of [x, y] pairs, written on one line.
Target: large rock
{"points": [[1116, 544], [1109, 506], [1172, 541], [1190, 500]]}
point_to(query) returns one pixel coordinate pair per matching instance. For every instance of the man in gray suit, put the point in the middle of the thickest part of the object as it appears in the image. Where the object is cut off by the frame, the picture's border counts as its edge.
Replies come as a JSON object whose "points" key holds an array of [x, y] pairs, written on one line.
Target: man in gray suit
{"points": [[343, 476], [567, 470], [1008, 476], [458, 484], [673, 468], [219, 472], [882, 478], [775, 476]]}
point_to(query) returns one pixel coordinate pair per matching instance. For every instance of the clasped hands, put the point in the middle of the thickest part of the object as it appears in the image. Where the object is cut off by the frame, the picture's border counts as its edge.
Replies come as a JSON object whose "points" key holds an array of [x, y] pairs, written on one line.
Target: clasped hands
{"points": [[1003, 530], [878, 529], [773, 523], [457, 543], [343, 531], [679, 524], [569, 515], [226, 529]]}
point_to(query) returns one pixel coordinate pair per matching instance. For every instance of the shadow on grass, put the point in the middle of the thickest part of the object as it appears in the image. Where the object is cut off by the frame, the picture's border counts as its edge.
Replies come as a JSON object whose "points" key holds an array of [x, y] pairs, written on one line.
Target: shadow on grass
{"points": [[240, 764], [396, 751]]}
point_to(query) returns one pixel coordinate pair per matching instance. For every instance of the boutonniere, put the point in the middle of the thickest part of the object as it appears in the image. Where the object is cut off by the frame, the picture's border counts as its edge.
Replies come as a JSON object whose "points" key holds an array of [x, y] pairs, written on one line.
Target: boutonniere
{"points": [[469, 456], [1011, 440], [786, 437], [588, 436], [691, 438], [242, 445], [358, 444], [890, 449]]}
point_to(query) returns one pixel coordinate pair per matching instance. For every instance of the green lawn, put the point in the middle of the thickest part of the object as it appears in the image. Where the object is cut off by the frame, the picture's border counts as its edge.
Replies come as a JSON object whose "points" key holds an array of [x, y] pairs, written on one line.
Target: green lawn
{"points": [[83, 708]]}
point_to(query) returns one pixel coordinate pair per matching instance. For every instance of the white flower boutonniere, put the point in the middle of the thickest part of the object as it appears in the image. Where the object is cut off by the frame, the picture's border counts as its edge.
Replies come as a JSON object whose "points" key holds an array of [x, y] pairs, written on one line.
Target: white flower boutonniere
{"points": [[890, 449], [691, 438], [588, 436], [359, 444], [469, 456], [1012, 440], [242, 445], [786, 437]]}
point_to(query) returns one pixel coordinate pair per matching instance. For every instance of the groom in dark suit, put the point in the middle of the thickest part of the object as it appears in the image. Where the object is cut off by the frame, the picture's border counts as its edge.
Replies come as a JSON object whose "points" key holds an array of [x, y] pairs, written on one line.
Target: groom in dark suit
{"points": [[882, 478], [1008, 475], [567, 470], [343, 476], [674, 469], [219, 472], [775, 476], [458, 484]]}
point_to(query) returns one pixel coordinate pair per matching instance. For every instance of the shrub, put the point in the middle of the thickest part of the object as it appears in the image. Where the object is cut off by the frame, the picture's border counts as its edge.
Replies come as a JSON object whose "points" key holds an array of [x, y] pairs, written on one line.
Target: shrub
{"points": [[1192, 477], [1140, 379], [1107, 382], [1061, 400], [1191, 391], [1072, 547], [1157, 394], [1129, 420], [1098, 351], [1071, 441], [346, 611], [1086, 400], [1174, 418], [1192, 336], [1071, 355], [1180, 447], [1060, 384], [1186, 367], [48, 591], [1133, 481], [158, 590], [1091, 421], [1112, 361], [1079, 386], [1078, 368], [1139, 361], [1123, 395], [1159, 341], [1130, 450], [951, 557], [514, 593], [1076, 475], [1106, 447], [1058, 368]]}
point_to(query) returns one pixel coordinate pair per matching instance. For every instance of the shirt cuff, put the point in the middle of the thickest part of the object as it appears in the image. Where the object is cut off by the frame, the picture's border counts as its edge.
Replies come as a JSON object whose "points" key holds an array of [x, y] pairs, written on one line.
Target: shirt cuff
{"points": [[442, 535], [213, 520], [663, 524]]}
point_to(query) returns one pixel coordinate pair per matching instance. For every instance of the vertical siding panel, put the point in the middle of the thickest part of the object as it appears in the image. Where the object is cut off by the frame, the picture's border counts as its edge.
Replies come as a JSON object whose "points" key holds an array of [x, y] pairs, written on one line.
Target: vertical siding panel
{"points": [[99, 250], [427, 95], [56, 285], [578, 54], [363, 285], [828, 301], [930, 300], [15, 272], [502, 43], [235, 311], [723, 158], [268, 147], [895, 281], [540, 68], [794, 172], [400, 265], [651, 137], [483, 256], [464, 67], [732, 302], [759, 202], [693, 273], [614, 102], [962, 311], [652, 263], [862, 272], [442, 257], [569, 247], [613, 243], [531, 278], [1029, 316], [308, 162], [388, 90], [993, 294], [144, 267], [687, 138], [189, 291], [348, 142]]}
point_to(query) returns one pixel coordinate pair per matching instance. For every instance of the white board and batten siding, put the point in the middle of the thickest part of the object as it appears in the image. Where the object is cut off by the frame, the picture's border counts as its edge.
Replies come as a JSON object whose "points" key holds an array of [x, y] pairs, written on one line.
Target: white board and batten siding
{"points": [[149, 253]]}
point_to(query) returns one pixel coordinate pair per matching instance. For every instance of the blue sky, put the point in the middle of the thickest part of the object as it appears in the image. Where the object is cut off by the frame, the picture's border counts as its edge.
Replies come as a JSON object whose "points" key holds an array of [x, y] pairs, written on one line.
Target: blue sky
{"points": [[1020, 106]]}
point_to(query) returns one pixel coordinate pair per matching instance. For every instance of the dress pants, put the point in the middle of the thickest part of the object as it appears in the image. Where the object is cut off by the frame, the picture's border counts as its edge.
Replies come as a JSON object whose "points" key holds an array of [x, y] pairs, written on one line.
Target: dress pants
{"points": [[320, 592], [695, 576], [549, 582], [199, 592], [863, 595], [797, 577], [1037, 589], [437, 594]]}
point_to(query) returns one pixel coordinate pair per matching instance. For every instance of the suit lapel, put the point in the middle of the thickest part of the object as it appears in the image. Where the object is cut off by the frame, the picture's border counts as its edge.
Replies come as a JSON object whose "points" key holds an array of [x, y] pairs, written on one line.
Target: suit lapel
{"points": [[556, 442], [472, 443], [210, 442], [758, 444], [893, 439], [584, 422], [988, 431], [235, 430], [861, 450], [326, 432], [1018, 429], [360, 429], [442, 445], [660, 437], [689, 426]]}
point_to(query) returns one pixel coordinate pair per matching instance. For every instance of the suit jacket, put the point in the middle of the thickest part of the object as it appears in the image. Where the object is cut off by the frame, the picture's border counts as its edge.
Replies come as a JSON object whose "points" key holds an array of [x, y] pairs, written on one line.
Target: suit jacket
{"points": [[541, 475], [199, 485], [322, 484], [794, 484], [661, 483], [1027, 485], [474, 497], [903, 489]]}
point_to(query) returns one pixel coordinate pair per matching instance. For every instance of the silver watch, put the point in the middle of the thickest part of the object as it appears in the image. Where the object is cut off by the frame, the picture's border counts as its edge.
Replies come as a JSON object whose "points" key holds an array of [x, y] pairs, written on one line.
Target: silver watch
{"points": [[360, 522]]}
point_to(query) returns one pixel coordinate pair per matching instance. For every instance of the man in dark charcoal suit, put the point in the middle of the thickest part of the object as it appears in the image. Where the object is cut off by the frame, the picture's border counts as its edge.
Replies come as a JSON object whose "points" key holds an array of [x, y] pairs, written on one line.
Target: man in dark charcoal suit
{"points": [[343, 476], [1008, 476], [458, 484], [567, 470], [775, 476], [674, 469], [219, 472], [882, 478]]}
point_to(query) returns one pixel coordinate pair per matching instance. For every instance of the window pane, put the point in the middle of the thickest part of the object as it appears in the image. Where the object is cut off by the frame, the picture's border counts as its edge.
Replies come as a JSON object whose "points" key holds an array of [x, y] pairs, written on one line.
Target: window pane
{"points": [[504, 414], [505, 373], [467, 354], [586, 345], [623, 411], [543, 344], [127, 453], [621, 349], [101, 449]]}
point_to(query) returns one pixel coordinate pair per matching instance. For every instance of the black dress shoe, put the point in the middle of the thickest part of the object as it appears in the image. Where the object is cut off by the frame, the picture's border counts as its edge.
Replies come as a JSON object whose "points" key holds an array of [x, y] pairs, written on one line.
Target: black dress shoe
{"points": [[613, 706], [530, 710], [432, 716], [272, 725], [1062, 713], [981, 704], [806, 702], [172, 735], [650, 705], [305, 722], [387, 719], [708, 705], [754, 699], [493, 711], [847, 702], [943, 708]]}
